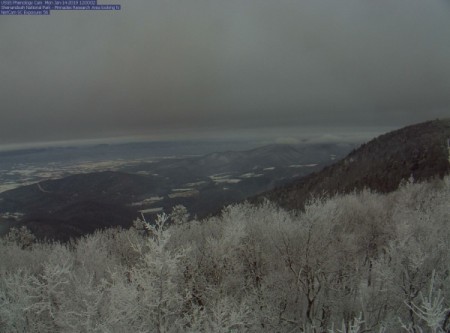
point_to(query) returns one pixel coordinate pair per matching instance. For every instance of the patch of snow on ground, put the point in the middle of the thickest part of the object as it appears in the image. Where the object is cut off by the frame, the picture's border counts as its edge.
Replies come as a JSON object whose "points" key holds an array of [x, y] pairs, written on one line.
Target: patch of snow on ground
{"points": [[182, 189], [16, 216], [184, 194], [227, 181], [202, 182], [151, 210], [147, 201], [302, 165], [250, 175]]}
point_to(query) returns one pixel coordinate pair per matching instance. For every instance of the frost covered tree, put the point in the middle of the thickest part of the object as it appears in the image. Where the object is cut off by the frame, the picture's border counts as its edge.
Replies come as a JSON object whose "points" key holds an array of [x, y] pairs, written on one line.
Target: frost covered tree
{"points": [[360, 262], [179, 214], [21, 236]]}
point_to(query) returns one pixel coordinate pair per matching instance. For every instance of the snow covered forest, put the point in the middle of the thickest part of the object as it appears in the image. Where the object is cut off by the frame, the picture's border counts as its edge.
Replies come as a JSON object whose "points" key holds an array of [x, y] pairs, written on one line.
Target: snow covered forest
{"points": [[362, 262]]}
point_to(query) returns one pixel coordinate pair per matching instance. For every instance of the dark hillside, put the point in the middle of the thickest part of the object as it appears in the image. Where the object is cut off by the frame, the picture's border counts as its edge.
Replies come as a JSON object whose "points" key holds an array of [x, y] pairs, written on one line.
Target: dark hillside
{"points": [[419, 151], [78, 204]]}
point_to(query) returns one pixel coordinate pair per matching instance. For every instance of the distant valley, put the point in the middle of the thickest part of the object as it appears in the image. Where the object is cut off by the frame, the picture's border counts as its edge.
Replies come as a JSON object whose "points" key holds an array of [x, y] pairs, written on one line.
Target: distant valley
{"points": [[31, 165], [88, 196]]}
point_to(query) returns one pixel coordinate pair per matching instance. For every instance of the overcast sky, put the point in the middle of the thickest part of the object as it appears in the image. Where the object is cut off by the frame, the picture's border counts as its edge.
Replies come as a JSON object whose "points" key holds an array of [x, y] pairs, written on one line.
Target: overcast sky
{"points": [[175, 67]]}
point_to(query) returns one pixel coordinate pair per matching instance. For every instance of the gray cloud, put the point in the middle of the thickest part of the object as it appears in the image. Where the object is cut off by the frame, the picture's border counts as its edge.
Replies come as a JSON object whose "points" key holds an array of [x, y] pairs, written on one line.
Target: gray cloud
{"points": [[160, 66]]}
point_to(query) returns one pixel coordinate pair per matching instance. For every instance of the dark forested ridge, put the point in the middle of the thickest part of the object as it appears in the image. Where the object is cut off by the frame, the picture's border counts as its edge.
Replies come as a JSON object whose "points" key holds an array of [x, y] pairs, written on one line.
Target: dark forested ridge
{"points": [[418, 151], [78, 204]]}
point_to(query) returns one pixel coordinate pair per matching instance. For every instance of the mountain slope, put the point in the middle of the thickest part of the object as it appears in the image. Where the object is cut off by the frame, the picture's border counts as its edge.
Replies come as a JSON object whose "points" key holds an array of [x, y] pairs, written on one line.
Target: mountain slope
{"points": [[419, 151]]}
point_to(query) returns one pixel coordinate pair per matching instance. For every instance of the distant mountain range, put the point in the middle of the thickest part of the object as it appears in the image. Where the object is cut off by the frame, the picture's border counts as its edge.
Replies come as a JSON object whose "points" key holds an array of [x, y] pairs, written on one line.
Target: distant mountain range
{"points": [[79, 204], [418, 151]]}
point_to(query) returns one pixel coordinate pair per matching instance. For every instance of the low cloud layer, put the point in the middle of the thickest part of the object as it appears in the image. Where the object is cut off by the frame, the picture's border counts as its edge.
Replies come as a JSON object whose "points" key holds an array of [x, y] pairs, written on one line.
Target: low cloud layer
{"points": [[161, 67]]}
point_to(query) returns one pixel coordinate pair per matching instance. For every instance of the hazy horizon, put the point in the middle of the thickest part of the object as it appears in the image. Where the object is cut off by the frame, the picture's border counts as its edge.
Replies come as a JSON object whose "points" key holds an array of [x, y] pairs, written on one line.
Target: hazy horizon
{"points": [[258, 137]]}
